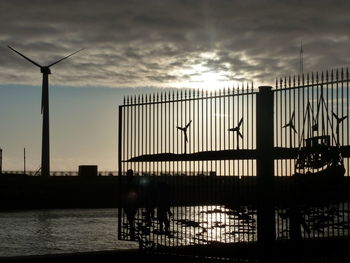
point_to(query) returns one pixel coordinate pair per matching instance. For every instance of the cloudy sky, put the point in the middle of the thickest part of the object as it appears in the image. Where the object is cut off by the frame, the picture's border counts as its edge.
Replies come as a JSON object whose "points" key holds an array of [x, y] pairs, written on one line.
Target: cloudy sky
{"points": [[139, 46]]}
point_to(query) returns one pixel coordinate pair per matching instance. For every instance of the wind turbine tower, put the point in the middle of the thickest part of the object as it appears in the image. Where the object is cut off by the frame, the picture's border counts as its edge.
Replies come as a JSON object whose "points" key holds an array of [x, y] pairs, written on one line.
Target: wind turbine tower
{"points": [[45, 148]]}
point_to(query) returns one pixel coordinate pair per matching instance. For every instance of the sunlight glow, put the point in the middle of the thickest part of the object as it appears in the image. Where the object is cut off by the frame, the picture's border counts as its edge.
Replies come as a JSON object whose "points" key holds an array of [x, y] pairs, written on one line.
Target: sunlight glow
{"points": [[203, 77]]}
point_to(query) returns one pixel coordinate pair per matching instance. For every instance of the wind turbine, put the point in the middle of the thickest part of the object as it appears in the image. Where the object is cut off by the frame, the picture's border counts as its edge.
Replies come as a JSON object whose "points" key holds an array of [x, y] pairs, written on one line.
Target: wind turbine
{"points": [[292, 127], [45, 150], [339, 121], [184, 129], [237, 129]]}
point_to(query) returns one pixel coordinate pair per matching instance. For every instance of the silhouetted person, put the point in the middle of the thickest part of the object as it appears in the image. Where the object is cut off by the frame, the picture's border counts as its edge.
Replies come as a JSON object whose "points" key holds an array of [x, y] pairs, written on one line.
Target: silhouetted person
{"points": [[296, 221], [131, 200], [163, 207], [149, 197]]}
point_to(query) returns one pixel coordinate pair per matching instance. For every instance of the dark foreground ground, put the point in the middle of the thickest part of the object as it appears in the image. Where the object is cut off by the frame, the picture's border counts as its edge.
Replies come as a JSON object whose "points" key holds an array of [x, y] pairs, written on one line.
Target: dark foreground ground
{"points": [[309, 251], [106, 256]]}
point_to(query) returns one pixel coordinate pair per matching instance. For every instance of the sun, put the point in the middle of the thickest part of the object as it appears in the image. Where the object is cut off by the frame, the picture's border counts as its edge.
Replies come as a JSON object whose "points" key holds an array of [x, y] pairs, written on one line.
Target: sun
{"points": [[200, 77]]}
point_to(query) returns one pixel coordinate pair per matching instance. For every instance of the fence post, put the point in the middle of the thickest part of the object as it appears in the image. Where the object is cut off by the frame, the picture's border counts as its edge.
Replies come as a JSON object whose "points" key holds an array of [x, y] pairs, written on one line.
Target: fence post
{"points": [[265, 167]]}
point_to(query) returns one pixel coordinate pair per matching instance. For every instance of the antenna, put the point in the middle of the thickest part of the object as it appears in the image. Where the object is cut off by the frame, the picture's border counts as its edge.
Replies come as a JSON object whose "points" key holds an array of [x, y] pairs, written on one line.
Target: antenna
{"points": [[301, 65]]}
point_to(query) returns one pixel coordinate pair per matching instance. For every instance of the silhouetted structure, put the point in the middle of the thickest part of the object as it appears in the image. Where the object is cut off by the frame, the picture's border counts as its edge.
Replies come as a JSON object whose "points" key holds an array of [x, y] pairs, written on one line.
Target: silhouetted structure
{"points": [[45, 70], [88, 170]]}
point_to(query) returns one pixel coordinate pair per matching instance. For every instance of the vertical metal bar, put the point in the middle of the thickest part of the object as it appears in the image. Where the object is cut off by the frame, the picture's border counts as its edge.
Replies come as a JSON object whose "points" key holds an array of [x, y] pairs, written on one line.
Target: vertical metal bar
{"points": [[120, 173]]}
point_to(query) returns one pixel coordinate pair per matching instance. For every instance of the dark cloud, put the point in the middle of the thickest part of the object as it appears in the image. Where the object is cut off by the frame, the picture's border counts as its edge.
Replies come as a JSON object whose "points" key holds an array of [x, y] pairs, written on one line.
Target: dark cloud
{"points": [[161, 43]]}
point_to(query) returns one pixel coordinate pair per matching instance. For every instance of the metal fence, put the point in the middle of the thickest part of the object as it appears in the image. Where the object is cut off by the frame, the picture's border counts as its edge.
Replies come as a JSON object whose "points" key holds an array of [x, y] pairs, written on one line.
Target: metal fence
{"points": [[201, 168], [314, 105]]}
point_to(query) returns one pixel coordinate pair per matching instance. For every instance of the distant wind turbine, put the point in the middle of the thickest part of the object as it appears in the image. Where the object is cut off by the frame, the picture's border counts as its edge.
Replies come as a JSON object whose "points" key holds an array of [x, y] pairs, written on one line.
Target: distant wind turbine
{"points": [[290, 124], [339, 121], [237, 130], [184, 130], [45, 150]]}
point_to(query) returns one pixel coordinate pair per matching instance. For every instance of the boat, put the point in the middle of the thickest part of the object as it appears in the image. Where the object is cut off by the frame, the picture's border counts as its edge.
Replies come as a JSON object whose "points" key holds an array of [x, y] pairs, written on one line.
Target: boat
{"points": [[319, 159]]}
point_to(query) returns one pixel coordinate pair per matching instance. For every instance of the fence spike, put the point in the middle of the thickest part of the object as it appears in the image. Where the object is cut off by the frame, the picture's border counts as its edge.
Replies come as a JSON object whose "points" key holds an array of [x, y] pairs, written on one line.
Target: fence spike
{"points": [[124, 100], [289, 81], [285, 82], [347, 73], [332, 75], [317, 77], [342, 73], [337, 75], [302, 79]]}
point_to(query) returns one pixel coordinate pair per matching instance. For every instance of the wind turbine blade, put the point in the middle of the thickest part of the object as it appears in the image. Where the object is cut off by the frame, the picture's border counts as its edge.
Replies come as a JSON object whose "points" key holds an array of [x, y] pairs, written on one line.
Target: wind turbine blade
{"points": [[240, 134], [231, 129], [186, 139], [291, 119], [188, 124], [288, 124], [335, 115], [31, 61], [58, 61], [179, 128], [343, 118], [293, 128], [240, 122]]}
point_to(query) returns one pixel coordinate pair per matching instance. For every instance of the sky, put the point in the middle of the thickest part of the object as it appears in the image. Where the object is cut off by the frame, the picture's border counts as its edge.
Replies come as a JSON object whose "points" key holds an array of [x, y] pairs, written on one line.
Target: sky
{"points": [[133, 47]]}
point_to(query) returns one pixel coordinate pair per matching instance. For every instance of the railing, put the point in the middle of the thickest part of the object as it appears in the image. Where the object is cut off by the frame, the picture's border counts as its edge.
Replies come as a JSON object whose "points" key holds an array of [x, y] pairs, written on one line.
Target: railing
{"points": [[227, 162]]}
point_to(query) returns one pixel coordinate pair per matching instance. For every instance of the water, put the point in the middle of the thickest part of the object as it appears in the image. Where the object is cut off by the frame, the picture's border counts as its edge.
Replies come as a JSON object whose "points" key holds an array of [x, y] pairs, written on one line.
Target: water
{"points": [[39, 232]]}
